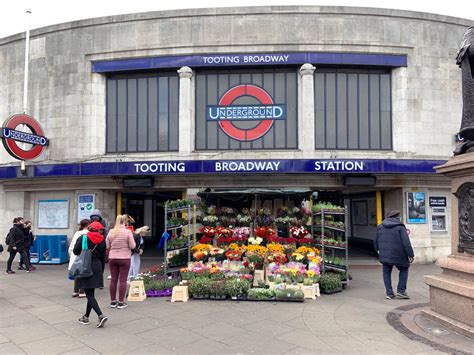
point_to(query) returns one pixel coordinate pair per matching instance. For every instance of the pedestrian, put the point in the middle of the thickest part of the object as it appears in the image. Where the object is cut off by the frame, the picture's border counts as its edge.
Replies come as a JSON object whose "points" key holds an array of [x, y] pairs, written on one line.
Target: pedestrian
{"points": [[95, 242], [128, 221], [83, 230], [394, 249], [16, 240], [29, 240], [120, 243], [138, 251]]}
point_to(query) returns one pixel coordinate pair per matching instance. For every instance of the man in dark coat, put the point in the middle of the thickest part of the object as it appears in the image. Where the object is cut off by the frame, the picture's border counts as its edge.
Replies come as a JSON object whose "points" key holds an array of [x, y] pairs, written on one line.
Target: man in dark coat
{"points": [[16, 244], [394, 249]]}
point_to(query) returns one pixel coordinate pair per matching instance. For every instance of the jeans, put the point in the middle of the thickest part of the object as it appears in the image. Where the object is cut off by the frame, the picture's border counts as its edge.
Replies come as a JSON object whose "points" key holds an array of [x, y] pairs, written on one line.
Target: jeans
{"points": [[26, 255], [119, 271], [91, 302], [134, 266], [402, 278], [12, 257], [77, 289]]}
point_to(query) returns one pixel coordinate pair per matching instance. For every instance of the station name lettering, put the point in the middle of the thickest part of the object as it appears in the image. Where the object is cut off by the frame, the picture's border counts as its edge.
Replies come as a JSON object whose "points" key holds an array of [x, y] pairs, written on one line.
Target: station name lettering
{"points": [[245, 166], [245, 59], [339, 165], [255, 112], [160, 167], [24, 137]]}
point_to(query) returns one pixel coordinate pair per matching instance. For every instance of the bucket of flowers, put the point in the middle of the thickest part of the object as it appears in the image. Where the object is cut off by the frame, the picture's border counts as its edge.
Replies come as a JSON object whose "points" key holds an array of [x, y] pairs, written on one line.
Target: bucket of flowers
{"points": [[233, 255], [298, 232], [200, 255], [208, 231], [242, 234], [217, 254]]}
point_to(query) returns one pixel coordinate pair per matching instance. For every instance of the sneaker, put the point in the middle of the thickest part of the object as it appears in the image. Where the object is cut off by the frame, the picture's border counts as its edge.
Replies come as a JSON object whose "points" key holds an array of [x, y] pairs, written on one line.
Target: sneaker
{"points": [[390, 296], [113, 304], [82, 295], [21, 268], [403, 295], [32, 268], [102, 320], [9, 272], [75, 294], [109, 277], [121, 305], [84, 320]]}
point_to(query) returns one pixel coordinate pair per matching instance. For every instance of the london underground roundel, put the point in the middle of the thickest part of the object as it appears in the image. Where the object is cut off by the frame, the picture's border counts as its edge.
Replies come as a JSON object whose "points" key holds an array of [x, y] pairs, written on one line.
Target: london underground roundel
{"points": [[227, 114], [12, 138]]}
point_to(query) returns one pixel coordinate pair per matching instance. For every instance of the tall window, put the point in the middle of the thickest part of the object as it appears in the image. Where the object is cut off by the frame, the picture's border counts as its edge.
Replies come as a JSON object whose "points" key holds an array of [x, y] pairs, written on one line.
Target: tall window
{"points": [[251, 109], [142, 113], [353, 109]]}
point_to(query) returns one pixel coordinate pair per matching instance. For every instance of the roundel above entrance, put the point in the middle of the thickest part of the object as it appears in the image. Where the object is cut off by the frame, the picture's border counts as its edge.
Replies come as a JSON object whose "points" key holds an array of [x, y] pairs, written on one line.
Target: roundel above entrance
{"points": [[12, 137], [227, 114]]}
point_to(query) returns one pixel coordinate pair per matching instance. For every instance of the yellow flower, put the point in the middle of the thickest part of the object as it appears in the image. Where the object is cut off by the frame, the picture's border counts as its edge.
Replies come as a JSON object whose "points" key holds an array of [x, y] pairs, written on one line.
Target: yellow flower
{"points": [[310, 273], [201, 248], [276, 248], [305, 250]]}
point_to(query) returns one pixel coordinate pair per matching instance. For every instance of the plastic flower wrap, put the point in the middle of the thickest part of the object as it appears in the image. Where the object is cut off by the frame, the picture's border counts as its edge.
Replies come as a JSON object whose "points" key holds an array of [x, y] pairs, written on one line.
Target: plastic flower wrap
{"points": [[200, 255], [242, 232], [255, 240], [208, 231], [277, 258], [224, 232], [216, 252], [233, 254], [298, 232]]}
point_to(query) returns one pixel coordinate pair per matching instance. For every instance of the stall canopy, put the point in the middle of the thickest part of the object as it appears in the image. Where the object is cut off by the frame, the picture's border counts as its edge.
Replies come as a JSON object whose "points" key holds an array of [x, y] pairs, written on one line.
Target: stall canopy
{"points": [[257, 191]]}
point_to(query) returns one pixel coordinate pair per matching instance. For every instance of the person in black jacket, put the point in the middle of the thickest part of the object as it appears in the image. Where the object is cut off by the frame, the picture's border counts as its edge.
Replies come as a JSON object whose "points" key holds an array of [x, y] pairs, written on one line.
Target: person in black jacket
{"points": [[95, 242], [16, 244], [28, 243], [394, 249]]}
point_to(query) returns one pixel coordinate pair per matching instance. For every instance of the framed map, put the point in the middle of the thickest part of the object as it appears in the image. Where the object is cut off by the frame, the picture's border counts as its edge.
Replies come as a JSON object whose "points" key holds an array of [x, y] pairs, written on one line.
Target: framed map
{"points": [[53, 214]]}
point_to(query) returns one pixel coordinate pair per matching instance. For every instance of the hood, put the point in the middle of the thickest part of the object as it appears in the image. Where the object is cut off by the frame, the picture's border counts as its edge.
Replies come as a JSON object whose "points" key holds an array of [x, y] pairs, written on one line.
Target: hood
{"points": [[95, 237], [391, 222]]}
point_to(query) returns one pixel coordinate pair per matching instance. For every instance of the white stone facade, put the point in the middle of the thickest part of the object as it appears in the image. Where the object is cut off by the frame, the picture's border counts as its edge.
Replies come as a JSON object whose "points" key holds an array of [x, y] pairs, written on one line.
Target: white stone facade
{"points": [[69, 100]]}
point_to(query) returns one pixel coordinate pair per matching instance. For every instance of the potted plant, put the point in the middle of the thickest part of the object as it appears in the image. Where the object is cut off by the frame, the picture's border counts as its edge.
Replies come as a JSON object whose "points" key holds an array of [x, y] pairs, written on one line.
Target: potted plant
{"points": [[233, 288], [330, 283], [289, 295], [261, 294], [218, 290], [200, 287]]}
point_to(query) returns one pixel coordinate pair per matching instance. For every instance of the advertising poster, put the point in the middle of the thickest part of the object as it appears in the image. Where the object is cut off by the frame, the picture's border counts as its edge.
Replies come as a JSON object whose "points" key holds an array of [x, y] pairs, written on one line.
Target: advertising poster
{"points": [[53, 214], [416, 207], [85, 206]]}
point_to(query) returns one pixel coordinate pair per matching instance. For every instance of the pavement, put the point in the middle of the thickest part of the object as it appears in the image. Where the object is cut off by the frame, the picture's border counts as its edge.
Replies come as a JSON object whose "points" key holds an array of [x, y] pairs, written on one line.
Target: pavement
{"points": [[39, 316]]}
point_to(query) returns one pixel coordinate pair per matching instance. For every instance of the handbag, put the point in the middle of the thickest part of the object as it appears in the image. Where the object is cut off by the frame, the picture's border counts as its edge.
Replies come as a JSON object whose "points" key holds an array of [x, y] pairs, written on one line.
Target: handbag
{"points": [[81, 268]]}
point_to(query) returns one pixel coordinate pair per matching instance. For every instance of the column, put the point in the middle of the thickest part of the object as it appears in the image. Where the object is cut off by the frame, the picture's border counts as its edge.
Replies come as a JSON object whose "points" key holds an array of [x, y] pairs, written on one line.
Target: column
{"points": [[306, 108], [186, 111]]}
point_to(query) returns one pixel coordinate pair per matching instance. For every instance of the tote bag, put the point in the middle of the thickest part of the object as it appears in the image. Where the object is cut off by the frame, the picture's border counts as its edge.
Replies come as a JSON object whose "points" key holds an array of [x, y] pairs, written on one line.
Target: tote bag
{"points": [[82, 267]]}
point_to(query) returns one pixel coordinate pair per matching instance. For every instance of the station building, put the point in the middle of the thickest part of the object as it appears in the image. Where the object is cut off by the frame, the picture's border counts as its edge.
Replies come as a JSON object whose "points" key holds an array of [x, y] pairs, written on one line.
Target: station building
{"points": [[356, 104]]}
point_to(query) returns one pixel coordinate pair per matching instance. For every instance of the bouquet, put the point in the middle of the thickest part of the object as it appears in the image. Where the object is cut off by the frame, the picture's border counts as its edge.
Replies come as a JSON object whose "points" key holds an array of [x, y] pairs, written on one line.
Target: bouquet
{"points": [[233, 255], [298, 232], [208, 231]]}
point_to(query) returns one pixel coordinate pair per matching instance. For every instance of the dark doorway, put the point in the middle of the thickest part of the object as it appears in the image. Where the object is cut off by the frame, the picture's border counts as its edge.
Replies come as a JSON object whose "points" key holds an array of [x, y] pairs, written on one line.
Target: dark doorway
{"points": [[147, 208]]}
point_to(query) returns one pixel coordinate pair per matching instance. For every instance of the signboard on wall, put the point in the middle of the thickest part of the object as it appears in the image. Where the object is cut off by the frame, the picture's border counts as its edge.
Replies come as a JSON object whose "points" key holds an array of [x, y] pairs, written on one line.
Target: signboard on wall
{"points": [[246, 109], [436, 201], [53, 214], [85, 206], [416, 207]]}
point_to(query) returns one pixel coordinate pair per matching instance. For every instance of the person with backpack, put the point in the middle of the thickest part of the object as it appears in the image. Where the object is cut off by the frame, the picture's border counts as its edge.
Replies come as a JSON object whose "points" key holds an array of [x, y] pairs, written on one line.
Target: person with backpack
{"points": [[29, 240], [120, 244], [394, 249], [96, 242], [83, 230], [16, 244]]}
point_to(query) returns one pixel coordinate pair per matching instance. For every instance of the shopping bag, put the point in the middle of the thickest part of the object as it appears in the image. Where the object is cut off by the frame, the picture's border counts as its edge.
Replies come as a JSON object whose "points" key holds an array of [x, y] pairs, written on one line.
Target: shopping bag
{"points": [[82, 267]]}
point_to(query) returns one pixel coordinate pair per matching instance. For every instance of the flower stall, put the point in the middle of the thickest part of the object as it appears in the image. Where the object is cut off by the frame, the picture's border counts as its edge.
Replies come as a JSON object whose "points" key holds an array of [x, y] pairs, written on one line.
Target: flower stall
{"points": [[250, 253]]}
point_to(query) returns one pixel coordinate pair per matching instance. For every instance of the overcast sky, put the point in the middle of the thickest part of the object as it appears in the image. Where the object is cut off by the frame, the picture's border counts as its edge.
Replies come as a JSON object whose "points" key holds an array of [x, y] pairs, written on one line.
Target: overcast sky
{"points": [[49, 12]]}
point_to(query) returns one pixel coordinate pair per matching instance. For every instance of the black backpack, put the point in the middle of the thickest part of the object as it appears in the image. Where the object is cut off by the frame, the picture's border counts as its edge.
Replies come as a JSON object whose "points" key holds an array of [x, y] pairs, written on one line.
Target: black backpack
{"points": [[7, 239]]}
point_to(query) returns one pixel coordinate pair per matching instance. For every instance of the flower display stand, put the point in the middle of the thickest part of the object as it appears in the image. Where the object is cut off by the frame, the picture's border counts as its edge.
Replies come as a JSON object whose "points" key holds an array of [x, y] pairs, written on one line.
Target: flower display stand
{"points": [[180, 293], [136, 291], [259, 276]]}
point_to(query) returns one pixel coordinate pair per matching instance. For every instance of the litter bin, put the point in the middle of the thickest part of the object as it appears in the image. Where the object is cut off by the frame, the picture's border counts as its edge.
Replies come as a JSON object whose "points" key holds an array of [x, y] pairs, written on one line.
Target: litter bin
{"points": [[49, 249]]}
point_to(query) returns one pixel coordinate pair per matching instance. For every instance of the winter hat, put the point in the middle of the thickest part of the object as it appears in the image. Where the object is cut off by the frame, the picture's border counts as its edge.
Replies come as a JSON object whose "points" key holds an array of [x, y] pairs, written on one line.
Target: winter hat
{"points": [[96, 213], [96, 226], [393, 214]]}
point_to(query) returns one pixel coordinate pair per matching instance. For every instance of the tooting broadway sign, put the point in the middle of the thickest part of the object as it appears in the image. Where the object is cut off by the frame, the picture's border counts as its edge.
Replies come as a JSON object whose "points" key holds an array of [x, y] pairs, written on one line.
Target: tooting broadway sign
{"points": [[11, 137]]}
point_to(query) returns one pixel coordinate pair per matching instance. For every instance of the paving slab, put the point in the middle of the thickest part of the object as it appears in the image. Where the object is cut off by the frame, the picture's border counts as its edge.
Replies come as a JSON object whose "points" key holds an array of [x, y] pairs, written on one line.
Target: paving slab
{"points": [[54, 345]]}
